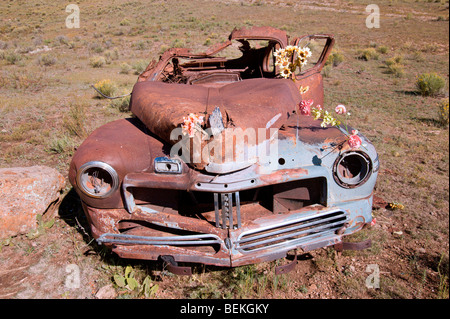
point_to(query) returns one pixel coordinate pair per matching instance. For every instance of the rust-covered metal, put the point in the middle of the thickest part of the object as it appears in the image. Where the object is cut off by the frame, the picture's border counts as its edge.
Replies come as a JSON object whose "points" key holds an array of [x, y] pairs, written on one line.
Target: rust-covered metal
{"points": [[146, 201]]}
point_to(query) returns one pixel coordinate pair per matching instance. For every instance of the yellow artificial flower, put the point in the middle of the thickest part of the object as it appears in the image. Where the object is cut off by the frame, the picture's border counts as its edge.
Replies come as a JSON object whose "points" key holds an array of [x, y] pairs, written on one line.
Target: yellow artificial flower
{"points": [[286, 72], [303, 90]]}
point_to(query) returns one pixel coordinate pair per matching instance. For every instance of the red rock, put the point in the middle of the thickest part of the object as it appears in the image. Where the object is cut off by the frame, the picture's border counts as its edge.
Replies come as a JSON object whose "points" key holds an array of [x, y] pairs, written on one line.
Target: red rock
{"points": [[26, 192]]}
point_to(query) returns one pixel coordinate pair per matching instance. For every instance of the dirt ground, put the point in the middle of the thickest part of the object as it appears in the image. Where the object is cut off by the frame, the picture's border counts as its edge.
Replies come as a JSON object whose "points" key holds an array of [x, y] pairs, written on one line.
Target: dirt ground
{"points": [[39, 124]]}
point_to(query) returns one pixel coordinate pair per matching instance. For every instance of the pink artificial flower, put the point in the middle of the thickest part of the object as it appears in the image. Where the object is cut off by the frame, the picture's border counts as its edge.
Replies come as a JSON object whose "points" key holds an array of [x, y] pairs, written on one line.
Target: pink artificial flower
{"points": [[354, 141], [340, 109], [305, 107], [373, 222], [190, 122]]}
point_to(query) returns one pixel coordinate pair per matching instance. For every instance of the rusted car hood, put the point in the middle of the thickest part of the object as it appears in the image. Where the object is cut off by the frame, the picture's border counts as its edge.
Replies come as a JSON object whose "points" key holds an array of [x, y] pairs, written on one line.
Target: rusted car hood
{"points": [[251, 103]]}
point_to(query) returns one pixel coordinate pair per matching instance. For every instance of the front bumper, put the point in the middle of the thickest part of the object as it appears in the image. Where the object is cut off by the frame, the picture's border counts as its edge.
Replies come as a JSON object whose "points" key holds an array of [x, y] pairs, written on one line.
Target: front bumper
{"points": [[144, 235]]}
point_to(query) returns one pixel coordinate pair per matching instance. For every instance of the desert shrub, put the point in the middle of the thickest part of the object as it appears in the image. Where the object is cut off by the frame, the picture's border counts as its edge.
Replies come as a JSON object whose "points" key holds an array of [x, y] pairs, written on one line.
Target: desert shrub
{"points": [[122, 104], [125, 68], [338, 58], [125, 22], [396, 69], [383, 49], [335, 59], [443, 117], [430, 47], [394, 66], [326, 71], [106, 87], [12, 58], [140, 45], [398, 59], [418, 56], [95, 47], [60, 145], [207, 42], [139, 66], [177, 43], [163, 48], [430, 84], [97, 61], [74, 120], [61, 39], [368, 54], [22, 81], [111, 55], [46, 60]]}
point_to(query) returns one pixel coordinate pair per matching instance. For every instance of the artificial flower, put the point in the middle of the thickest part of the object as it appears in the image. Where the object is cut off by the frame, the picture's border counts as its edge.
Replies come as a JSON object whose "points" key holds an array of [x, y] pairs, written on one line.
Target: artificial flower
{"points": [[354, 141], [305, 107], [303, 90], [304, 52], [283, 62], [286, 72], [191, 123], [286, 55], [340, 109]]}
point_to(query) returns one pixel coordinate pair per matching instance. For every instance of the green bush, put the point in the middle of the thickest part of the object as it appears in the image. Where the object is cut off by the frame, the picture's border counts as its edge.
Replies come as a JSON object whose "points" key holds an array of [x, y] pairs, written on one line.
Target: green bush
{"points": [[430, 84], [97, 61], [335, 59], [74, 120], [396, 69], [368, 54], [326, 71], [163, 48], [125, 68], [125, 22], [122, 104], [12, 57], [398, 59], [383, 49], [46, 60], [60, 145], [111, 55], [106, 87], [139, 66], [443, 117]]}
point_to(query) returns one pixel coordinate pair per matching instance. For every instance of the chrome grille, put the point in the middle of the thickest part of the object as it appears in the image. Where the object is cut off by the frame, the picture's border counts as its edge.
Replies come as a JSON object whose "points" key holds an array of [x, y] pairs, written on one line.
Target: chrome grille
{"points": [[295, 232], [224, 215]]}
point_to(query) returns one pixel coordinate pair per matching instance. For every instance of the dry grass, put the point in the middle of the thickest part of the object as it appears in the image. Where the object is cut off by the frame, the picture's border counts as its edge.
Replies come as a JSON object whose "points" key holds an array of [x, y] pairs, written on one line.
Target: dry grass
{"points": [[48, 108]]}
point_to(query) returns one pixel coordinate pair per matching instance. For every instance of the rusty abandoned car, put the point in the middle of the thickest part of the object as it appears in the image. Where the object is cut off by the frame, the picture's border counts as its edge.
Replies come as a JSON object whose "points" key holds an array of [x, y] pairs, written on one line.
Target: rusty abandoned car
{"points": [[219, 166]]}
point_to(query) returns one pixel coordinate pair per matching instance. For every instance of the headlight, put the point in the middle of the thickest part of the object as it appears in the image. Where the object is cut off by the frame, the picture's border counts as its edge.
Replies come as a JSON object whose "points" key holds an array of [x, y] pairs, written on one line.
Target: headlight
{"points": [[97, 179], [352, 169]]}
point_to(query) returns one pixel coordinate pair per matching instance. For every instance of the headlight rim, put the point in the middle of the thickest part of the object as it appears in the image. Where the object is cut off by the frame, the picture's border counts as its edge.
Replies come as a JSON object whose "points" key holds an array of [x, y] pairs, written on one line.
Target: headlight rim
{"points": [[345, 184], [101, 165]]}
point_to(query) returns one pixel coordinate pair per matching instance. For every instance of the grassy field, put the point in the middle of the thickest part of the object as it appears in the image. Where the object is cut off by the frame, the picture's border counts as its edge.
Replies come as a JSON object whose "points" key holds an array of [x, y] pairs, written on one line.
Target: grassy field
{"points": [[47, 108]]}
